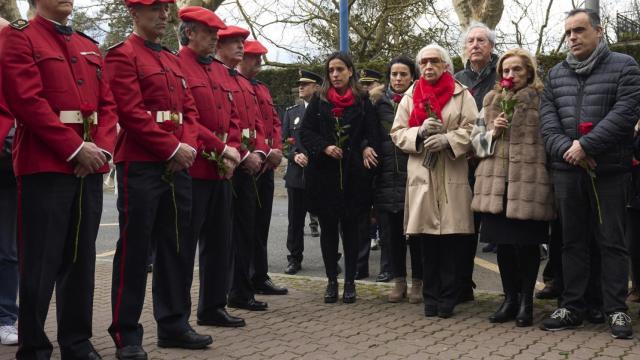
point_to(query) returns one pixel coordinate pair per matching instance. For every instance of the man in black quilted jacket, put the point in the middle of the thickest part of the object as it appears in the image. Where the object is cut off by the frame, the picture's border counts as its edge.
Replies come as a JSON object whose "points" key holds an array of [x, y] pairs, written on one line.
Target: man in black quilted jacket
{"points": [[589, 108]]}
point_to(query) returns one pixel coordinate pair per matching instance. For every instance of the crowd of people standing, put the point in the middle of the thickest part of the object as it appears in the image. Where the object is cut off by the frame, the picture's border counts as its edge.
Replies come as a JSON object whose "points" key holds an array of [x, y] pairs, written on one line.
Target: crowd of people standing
{"points": [[491, 152]]}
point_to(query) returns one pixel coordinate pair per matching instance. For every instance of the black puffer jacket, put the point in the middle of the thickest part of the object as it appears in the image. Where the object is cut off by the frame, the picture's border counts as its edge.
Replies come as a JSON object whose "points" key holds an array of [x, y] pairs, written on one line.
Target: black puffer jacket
{"points": [[391, 174], [609, 97]]}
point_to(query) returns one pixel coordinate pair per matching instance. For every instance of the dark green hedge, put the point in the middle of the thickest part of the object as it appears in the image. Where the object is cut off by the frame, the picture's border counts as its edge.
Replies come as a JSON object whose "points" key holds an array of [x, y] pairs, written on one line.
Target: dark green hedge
{"points": [[282, 82]]}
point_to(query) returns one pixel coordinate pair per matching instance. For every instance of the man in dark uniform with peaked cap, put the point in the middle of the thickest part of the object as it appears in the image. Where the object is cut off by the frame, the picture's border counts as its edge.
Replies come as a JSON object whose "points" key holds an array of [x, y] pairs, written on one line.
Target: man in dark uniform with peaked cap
{"points": [[298, 159]]}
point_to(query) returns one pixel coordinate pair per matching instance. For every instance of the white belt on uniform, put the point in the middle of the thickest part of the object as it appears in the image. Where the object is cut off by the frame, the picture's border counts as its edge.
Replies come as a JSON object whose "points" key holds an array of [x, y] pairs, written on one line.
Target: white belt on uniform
{"points": [[162, 116], [75, 117]]}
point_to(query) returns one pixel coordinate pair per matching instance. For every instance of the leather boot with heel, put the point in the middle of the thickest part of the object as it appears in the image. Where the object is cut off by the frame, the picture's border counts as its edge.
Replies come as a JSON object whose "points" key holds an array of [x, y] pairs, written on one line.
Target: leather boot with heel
{"points": [[331, 293], [349, 294], [415, 294], [399, 290], [525, 312], [507, 311]]}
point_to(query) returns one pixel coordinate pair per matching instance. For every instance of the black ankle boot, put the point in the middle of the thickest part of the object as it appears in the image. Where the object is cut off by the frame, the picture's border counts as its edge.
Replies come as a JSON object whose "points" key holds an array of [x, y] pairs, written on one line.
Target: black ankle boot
{"points": [[331, 293], [349, 294], [525, 313], [507, 311]]}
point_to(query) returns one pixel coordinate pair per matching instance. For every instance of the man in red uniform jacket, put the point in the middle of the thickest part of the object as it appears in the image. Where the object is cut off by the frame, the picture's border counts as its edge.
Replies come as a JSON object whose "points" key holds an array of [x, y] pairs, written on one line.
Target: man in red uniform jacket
{"points": [[156, 145], [249, 68], [54, 83], [229, 51], [218, 141]]}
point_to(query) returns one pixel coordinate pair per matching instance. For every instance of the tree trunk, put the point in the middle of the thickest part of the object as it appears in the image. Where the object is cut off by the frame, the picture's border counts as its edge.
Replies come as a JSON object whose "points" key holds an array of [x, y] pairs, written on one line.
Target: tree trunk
{"points": [[488, 12], [9, 10]]}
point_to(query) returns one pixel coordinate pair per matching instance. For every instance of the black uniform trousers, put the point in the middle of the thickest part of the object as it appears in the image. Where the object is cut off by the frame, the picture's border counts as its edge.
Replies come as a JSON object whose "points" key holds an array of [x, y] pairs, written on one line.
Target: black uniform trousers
{"points": [[441, 266], [210, 232], [263, 221], [150, 206], [58, 221], [297, 212], [392, 233], [243, 236], [578, 212], [332, 225]]}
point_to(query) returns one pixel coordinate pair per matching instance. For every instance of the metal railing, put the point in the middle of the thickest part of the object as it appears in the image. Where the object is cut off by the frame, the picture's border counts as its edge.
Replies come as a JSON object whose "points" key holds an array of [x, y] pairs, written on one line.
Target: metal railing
{"points": [[628, 26]]}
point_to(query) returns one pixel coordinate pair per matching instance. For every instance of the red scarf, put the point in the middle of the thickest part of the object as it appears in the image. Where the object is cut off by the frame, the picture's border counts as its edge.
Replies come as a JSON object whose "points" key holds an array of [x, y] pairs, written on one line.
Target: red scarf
{"points": [[340, 101], [435, 95]]}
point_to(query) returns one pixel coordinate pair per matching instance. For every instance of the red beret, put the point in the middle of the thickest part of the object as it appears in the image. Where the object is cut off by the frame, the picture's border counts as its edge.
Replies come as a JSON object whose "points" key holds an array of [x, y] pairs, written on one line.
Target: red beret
{"points": [[201, 15], [146, 2], [233, 31], [254, 47]]}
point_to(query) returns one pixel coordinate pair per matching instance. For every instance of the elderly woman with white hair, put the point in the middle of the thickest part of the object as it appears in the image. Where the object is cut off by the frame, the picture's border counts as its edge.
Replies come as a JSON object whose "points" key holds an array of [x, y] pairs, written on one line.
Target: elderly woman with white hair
{"points": [[433, 125]]}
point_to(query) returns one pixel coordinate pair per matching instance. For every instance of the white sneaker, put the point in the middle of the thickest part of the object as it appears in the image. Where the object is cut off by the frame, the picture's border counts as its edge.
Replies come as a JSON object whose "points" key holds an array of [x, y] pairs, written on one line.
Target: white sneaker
{"points": [[8, 335]]}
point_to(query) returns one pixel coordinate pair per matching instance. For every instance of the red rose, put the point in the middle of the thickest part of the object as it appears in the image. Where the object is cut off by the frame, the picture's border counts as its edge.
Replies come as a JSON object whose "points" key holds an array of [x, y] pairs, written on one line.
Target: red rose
{"points": [[397, 98], [337, 112], [507, 83], [585, 128], [168, 125], [87, 110], [291, 141]]}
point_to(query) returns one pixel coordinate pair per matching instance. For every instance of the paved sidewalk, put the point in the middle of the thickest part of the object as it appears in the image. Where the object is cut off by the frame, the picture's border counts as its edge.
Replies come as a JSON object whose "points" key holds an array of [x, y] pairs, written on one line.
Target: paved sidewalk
{"points": [[301, 326]]}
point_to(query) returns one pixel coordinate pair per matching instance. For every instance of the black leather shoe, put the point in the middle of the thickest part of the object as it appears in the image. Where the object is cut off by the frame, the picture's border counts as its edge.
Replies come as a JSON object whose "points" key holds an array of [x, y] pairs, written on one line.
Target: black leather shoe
{"points": [[594, 316], [430, 310], [93, 355], [445, 313], [221, 317], [507, 310], [548, 292], [315, 232], [293, 268], [361, 275], [384, 277], [188, 340], [349, 293], [267, 287], [331, 293], [251, 304], [466, 295], [131, 352]]}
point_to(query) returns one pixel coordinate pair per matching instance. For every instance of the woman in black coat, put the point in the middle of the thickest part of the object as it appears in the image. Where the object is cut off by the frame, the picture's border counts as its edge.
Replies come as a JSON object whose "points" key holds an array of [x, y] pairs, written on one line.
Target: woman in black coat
{"points": [[338, 131], [390, 182]]}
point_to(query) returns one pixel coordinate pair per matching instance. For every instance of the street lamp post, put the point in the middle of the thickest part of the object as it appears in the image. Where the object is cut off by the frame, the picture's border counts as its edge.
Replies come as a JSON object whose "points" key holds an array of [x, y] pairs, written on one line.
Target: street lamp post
{"points": [[344, 26]]}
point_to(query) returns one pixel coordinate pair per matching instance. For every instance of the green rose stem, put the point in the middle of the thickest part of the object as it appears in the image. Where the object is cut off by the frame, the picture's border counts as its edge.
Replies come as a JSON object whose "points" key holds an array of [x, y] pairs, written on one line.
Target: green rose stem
{"points": [[592, 176], [86, 136], [168, 178]]}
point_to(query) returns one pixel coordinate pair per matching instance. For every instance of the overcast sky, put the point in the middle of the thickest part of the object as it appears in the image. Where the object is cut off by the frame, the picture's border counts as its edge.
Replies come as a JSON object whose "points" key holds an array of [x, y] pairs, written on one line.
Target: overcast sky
{"points": [[295, 37]]}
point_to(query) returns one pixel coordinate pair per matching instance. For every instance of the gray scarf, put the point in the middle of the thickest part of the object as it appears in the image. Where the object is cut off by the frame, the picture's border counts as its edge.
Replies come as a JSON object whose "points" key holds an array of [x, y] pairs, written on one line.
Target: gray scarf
{"points": [[585, 67]]}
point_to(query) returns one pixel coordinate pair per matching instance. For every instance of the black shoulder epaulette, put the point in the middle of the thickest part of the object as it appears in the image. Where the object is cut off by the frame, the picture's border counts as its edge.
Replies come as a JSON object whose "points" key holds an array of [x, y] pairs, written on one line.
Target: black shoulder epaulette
{"points": [[115, 45], [169, 50], [19, 24], [87, 36]]}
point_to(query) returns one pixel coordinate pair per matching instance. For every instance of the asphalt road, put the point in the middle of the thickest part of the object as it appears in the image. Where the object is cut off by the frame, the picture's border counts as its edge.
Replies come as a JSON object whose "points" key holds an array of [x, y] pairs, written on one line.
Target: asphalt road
{"points": [[485, 273]]}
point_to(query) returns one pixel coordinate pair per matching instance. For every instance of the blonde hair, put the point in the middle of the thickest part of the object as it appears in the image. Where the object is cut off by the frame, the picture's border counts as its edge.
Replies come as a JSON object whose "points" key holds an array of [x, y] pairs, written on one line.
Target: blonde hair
{"points": [[530, 63]]}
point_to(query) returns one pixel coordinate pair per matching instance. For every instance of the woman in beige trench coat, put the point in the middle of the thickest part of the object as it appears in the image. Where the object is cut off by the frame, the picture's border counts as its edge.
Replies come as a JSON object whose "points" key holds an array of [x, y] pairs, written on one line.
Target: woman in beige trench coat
{"points": [[433, 125]]}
